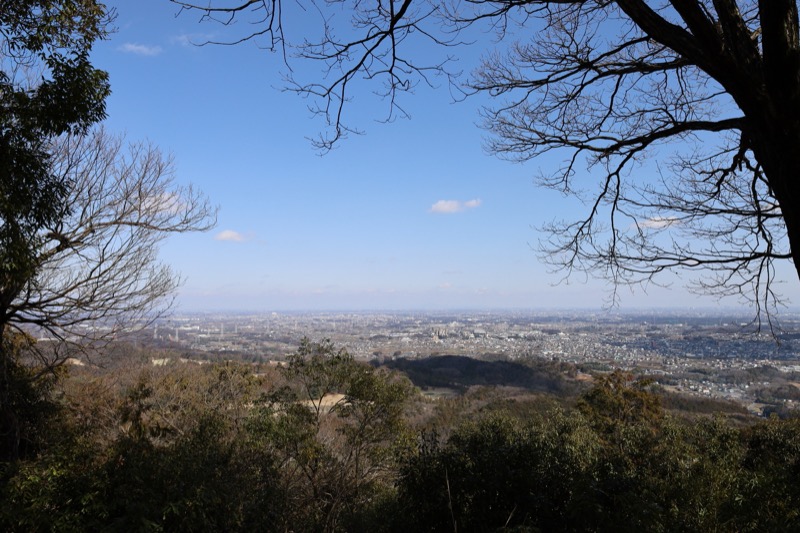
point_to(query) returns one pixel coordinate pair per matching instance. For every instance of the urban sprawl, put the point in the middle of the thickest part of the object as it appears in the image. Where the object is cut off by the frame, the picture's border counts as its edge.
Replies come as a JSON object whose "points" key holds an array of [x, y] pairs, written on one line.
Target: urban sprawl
{"points": [[704, 353]]}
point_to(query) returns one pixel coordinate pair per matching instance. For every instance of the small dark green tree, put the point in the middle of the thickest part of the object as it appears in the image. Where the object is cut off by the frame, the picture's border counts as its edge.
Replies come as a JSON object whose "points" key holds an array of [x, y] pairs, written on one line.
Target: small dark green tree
{"points": [[499, 472], [619, 399], [772, 469], [27, 407], [337, 424]]}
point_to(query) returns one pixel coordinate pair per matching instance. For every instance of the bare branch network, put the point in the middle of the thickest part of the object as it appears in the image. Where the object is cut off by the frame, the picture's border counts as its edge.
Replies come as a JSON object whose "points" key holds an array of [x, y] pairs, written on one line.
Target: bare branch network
{"points": [[687, 112], [98, 267], [366, 48]]}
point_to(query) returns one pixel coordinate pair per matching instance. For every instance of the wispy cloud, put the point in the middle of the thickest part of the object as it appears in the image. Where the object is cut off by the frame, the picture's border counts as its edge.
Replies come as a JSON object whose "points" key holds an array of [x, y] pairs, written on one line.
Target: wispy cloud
{"points": [[230, 236], [140, 49], [168, 203], [659, 222], [454, 206], [192, 39]]}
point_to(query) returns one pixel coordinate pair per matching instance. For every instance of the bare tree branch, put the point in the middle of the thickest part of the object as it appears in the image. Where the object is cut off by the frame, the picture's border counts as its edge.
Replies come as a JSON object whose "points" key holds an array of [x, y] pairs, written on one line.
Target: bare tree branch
{"points": [[98, 267], [685, 112]]}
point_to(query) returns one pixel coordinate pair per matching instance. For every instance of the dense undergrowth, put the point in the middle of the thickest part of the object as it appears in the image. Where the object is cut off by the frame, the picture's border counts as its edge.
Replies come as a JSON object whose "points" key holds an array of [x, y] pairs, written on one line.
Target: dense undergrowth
{"points": [[327, 443]]}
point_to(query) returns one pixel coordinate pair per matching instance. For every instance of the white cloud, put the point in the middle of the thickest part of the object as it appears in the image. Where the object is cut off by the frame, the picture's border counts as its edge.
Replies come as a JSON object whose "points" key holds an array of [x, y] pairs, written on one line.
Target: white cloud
{"points": [[454, 206], [183, 39], [140, 49], [659, 222], [168, 203], [470, 204], [192, 39], [230, 236]]}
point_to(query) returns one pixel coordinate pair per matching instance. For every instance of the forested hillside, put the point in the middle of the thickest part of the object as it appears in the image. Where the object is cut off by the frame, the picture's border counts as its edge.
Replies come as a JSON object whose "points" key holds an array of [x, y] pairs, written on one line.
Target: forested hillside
{"points": [[328, 443]]}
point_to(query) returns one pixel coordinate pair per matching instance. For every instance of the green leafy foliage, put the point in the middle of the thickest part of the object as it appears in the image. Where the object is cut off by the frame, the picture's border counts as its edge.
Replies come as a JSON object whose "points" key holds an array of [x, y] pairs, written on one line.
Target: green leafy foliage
{"points": [[325, 444], [178, 459], [26, 408], [617, 463], [499, 472], [48, 87], [337, 427]]}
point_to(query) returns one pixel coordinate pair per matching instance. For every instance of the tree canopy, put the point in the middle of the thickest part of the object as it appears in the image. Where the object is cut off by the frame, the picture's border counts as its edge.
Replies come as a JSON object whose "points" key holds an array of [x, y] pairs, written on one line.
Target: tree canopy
{"points": [[237, 447], [48, 86], [684, 111]]}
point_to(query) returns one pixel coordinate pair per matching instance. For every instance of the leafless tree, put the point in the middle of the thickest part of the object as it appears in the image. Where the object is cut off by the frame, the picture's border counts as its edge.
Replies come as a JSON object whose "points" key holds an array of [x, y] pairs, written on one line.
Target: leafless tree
{"points": [[97, 265], [687, 112]]}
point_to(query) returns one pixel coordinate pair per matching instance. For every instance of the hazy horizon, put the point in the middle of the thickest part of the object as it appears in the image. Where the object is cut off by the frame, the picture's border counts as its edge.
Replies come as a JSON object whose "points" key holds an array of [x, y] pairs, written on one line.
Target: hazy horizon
{"points": [[413, 214]]}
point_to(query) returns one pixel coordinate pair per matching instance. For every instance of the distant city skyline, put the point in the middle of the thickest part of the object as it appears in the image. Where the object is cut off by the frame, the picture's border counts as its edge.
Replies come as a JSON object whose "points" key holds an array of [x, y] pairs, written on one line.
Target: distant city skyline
{"points": [[411, 215]]}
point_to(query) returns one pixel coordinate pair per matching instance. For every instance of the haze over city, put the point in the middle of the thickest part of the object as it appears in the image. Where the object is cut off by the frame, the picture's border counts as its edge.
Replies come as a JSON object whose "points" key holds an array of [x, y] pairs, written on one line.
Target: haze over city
{"points": [[412, 215]]}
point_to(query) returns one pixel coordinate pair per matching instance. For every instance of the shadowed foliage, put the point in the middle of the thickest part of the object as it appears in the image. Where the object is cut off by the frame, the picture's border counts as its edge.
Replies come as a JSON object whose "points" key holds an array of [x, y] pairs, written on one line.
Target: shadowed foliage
{"points": [[461, 372]]}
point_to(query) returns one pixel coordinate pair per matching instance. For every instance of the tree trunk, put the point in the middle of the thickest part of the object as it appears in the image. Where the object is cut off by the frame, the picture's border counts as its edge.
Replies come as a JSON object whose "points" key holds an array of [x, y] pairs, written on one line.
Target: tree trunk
{"points": [[778, 152], [775, 120]]}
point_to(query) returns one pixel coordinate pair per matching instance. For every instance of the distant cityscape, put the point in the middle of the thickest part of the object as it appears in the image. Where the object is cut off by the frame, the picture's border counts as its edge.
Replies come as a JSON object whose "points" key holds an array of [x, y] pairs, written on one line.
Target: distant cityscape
{"points": [[722, 356]]}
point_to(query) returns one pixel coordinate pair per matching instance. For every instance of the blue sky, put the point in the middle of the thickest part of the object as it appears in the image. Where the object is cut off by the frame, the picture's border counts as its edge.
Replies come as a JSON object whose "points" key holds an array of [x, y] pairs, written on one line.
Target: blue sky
{"points": [[412, 215]]}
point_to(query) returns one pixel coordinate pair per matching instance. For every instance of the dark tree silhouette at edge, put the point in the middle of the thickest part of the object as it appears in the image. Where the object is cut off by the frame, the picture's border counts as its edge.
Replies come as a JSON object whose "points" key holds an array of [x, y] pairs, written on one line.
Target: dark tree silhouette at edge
{"points": [[706, 88]]}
